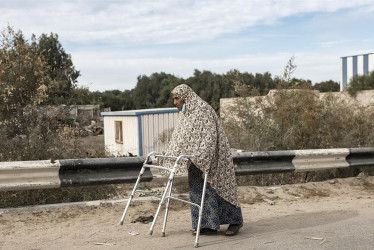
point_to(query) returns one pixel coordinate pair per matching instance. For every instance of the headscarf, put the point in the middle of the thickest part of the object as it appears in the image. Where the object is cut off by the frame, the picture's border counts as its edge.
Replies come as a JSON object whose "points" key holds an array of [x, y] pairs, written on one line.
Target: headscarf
{"points": [[199, 134]]}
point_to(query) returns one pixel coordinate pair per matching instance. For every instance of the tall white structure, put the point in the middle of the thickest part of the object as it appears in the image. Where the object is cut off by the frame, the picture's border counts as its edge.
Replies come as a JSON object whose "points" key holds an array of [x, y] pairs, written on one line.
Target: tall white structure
{"points": [[355, 65]]}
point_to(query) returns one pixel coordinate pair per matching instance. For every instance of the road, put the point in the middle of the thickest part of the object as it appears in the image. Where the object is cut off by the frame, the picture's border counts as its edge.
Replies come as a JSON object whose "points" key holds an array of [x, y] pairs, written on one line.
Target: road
{"points": [[341, 218]]}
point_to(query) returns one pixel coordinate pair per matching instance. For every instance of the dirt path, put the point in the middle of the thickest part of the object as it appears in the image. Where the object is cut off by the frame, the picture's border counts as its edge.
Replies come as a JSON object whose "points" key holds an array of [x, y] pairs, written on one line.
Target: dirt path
{"points": [[297, 208]]}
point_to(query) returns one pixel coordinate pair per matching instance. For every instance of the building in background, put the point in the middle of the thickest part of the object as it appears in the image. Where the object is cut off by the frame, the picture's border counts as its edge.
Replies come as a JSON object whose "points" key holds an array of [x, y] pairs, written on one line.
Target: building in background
{"points": [[138, 132], [355, 65]]}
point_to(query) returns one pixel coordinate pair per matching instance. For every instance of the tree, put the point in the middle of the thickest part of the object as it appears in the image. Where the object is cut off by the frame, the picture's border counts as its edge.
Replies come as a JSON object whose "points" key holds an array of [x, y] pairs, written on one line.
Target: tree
{"points": [[113, 99], [28, 130], [23, 74], [81, 96], [151, 91], [326, 86], [260, 83], [361, 82], [211, 87], [61, 69]]}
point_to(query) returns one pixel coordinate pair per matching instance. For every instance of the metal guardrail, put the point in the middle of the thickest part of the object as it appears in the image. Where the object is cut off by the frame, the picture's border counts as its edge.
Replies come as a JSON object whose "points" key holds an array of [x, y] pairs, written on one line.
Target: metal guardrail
{"points": [[21, 175], [29, 175], [97, 171]]}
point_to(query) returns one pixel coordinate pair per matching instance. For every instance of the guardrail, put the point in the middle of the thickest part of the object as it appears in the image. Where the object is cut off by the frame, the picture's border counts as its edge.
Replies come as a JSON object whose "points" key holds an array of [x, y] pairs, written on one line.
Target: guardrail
{"points": [[73, 172], [267, 162], [97, 171]]}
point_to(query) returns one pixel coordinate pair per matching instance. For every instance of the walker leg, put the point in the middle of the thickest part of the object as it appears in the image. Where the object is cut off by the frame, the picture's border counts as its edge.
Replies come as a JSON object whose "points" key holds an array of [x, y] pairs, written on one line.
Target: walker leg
{"points": [[131, 196], [161, 203], [201, 211], [166, 211]]}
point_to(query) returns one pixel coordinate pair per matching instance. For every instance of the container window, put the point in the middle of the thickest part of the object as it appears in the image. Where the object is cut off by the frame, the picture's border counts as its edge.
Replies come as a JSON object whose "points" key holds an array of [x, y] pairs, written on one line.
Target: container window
{"points": [[119, 132]]}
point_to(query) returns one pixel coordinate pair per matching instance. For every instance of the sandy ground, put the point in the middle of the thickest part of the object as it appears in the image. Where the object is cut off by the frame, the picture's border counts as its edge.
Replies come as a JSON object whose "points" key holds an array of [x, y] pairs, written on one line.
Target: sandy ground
{"points": [[96, 227]]}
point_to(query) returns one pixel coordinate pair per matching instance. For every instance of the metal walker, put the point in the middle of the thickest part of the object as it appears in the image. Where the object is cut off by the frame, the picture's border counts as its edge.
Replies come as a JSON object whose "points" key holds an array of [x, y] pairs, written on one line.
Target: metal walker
{"points": [[167, 193]]}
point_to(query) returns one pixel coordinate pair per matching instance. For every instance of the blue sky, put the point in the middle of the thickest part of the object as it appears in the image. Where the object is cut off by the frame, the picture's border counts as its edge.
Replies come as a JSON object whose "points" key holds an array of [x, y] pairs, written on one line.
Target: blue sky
{"points": [[113, 42]]}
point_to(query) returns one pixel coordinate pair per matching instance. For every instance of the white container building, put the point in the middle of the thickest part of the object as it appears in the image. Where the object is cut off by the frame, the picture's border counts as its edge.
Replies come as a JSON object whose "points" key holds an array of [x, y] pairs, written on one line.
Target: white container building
{"points": [[355, 65], [138, 132]]}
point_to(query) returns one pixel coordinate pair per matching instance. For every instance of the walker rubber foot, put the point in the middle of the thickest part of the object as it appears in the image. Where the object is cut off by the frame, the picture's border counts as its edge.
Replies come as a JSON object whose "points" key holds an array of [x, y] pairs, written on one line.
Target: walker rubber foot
{"points": [[196, 244], [150, 232], [121, 223], [163, 234]]}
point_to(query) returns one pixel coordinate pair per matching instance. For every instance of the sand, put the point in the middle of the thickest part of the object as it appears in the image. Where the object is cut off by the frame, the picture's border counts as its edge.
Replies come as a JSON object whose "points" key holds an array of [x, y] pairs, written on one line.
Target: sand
{"points": [[96, 226]]}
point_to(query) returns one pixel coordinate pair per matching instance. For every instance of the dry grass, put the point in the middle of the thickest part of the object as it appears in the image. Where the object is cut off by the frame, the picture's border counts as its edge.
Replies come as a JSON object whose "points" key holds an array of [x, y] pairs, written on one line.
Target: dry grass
{"points": [[93, 146]]}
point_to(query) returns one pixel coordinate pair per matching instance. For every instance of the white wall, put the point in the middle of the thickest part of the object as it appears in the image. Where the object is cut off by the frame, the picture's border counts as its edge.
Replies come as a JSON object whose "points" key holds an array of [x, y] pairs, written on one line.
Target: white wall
{"points": [[349, 68], [130, 135], [360, 65], [153, 125], [371, 62]]}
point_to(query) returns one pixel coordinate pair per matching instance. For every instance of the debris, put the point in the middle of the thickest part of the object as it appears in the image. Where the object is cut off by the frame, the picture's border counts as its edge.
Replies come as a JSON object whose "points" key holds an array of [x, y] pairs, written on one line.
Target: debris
{"points": [[323, 242], [269, 201], [362, 175], [143, 219], [133, 233], [332, 181], [93, 234], [94, 128], [268, 242], [313, 238], [103, 243]]}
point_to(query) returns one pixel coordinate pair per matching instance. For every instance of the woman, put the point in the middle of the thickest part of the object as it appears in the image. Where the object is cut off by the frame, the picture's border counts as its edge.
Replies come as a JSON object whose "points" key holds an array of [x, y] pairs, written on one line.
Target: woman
{"points": [[200, 135]]}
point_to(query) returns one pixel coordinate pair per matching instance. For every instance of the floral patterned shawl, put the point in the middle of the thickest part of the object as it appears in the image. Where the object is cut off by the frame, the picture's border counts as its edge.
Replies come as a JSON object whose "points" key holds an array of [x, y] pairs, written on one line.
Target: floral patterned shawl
{"points": [[199, 134]]}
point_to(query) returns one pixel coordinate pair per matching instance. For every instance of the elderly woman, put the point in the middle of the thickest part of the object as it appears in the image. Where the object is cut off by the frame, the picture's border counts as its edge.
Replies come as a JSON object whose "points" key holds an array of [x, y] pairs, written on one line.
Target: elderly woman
{"points": [[200, 135]]}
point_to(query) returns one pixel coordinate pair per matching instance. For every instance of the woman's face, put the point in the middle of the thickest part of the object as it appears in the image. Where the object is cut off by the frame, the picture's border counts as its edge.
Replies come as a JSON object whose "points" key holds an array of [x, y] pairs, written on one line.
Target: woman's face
{"points": [[178, 102]]}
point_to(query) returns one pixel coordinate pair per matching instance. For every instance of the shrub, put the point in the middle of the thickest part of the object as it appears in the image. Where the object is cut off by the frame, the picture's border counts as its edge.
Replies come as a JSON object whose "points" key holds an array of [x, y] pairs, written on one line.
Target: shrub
{"points": [[291, 119], [361, 82]]}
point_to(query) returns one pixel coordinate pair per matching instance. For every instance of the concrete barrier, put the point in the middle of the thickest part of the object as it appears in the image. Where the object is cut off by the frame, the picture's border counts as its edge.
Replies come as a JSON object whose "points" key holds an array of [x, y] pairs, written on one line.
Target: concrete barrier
{"points": [[80, 172]]}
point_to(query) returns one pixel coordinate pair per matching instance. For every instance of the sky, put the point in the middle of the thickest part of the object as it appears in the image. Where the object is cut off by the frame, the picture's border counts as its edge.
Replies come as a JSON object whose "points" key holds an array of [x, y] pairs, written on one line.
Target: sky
{"points": [[113, 42]]}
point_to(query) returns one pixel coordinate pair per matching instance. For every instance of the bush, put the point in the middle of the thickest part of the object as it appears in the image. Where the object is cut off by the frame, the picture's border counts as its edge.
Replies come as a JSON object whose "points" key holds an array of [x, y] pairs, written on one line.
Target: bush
{"points": [[297, 119], [361, 82], [327, 86]]}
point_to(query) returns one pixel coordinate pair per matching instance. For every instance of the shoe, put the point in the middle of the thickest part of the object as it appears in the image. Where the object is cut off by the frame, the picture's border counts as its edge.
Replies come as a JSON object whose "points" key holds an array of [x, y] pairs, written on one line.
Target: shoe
{"points": [[234, 228]]}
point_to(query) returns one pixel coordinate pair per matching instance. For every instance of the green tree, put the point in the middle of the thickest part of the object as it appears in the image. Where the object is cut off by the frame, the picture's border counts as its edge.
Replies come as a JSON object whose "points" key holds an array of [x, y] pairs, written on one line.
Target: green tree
{"points": [[151, 91], [112, 99], [81, 96], [28, 130], [327, 86], [211, 87], [23, 74], [262, 83], [61, 69], [361, 82]]}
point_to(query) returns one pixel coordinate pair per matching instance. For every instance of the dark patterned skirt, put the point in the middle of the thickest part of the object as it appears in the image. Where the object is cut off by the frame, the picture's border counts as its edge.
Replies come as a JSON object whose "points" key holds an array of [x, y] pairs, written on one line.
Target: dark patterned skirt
{"points": [[217, 211]]}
